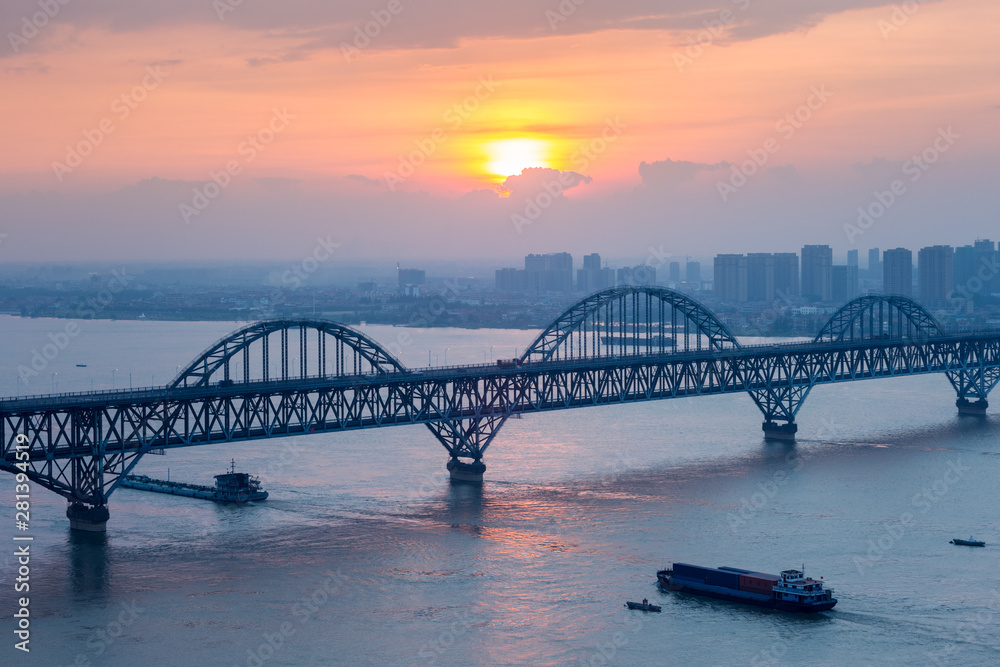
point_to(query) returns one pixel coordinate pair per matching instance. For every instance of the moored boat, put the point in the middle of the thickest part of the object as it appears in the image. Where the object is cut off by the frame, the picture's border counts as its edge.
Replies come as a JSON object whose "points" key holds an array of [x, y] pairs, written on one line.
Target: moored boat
{"points": [[792, 591], [971, 542]]}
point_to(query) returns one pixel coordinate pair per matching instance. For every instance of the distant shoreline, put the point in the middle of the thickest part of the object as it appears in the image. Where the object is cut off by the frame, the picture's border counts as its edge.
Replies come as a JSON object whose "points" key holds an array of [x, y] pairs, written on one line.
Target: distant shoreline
{"points": [[319, 316]]}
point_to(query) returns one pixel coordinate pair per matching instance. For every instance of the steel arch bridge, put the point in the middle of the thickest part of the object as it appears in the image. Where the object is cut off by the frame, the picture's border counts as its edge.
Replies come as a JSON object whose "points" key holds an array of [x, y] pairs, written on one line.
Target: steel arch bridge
{"points": [[282, 378]]}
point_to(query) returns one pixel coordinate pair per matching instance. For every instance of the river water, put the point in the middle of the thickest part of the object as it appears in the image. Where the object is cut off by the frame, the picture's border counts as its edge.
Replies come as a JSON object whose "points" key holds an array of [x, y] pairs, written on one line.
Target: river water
{"points": [[365, 555]]}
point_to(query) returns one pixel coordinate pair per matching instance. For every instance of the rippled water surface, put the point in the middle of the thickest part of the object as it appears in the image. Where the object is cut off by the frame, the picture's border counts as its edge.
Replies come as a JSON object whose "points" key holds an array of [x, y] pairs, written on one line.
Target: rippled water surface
{"points": [[365, 555]]}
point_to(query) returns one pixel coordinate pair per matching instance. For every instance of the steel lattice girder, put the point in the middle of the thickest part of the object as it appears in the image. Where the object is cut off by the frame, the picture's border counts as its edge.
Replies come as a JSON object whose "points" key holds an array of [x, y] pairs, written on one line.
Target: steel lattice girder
{"points": [[219, 354], [555, 336], [80, 451], [843, 322]]}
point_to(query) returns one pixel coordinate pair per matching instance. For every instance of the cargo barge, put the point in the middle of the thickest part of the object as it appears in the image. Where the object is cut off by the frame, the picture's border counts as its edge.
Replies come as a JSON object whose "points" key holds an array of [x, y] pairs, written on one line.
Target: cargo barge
{"points": [[230, 487], [792, 591]]}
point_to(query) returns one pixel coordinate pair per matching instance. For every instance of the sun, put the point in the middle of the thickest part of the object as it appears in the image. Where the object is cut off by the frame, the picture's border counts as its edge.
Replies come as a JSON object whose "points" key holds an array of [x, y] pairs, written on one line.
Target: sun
{"points": [[507, 157]]}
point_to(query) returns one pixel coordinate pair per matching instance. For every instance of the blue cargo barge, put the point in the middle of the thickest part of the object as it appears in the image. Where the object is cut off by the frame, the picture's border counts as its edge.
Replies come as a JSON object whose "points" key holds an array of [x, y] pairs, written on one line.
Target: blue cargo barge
{"points": [[792, 591]]}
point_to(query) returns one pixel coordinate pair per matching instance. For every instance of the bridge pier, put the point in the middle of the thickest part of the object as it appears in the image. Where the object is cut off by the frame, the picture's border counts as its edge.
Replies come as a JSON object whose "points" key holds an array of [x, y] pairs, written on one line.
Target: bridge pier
{"points": [[466, 473], [967, 407], [86, 518], [775, 431]]}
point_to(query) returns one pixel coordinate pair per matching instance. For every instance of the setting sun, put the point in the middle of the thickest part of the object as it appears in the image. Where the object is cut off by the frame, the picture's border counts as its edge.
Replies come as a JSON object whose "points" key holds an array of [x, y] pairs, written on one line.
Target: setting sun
{"points": [[508, 157]]}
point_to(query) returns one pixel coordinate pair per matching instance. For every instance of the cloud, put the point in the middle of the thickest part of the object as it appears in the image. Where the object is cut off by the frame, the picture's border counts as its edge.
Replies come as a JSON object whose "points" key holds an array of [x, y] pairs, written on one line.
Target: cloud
{"points": [[276, 182], [364, 180], [671, 173], [533, 180], [779, 210], [320, 24], [30, 68]]}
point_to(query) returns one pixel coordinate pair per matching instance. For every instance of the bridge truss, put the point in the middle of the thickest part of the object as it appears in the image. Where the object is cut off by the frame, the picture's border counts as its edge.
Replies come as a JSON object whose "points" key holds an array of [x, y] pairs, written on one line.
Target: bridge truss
{"points": [[618, 346]]}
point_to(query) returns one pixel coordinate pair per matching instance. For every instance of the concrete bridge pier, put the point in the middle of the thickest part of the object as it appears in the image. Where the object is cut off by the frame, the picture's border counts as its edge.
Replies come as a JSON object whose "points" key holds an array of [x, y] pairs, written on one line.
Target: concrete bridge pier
{"points": [[775, 431], [975, 408], [88, 518], [466, 473]]}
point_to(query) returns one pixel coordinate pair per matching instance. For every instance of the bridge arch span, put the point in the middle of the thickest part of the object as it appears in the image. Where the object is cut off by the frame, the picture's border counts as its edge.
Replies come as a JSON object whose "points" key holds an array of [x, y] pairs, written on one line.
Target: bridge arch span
{"points": [[283, 349], [623, 321], [880, 316]]}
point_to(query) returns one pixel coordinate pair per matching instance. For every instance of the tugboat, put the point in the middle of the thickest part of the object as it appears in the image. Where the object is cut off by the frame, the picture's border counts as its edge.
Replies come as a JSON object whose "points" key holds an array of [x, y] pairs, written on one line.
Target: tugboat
{"points": [[230, 487], [971, 542], [792, 591]]}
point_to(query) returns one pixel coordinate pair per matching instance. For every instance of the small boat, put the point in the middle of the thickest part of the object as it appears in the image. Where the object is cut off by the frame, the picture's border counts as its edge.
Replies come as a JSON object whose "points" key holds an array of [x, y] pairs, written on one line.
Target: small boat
{"points": [[971, 542], [644, 606], [81, 365]]}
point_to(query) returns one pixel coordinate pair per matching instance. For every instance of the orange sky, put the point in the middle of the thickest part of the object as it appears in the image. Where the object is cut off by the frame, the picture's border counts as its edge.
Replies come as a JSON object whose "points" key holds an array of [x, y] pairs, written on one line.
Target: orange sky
{"points": [[358, 117], [348, 132]]}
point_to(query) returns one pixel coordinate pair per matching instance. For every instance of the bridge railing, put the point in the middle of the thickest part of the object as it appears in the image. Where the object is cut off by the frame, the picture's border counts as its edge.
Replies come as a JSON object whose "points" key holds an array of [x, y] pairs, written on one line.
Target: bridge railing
{"points": [[161, 391]]}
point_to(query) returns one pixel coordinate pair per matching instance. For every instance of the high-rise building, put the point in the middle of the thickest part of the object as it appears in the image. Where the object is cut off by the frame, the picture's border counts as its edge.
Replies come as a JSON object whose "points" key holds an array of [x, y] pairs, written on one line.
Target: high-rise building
{"points": [[897, 272], [511, 280], [692, 273], [964, 265], [935, 274], [817, 272], [549, 273], [852, 257], [985, 245], [874, 264], [675, 272], [411, 277], [786, 275], [986, 259], [845, 283], [730, 278], [593, 277], [760, 276]]}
